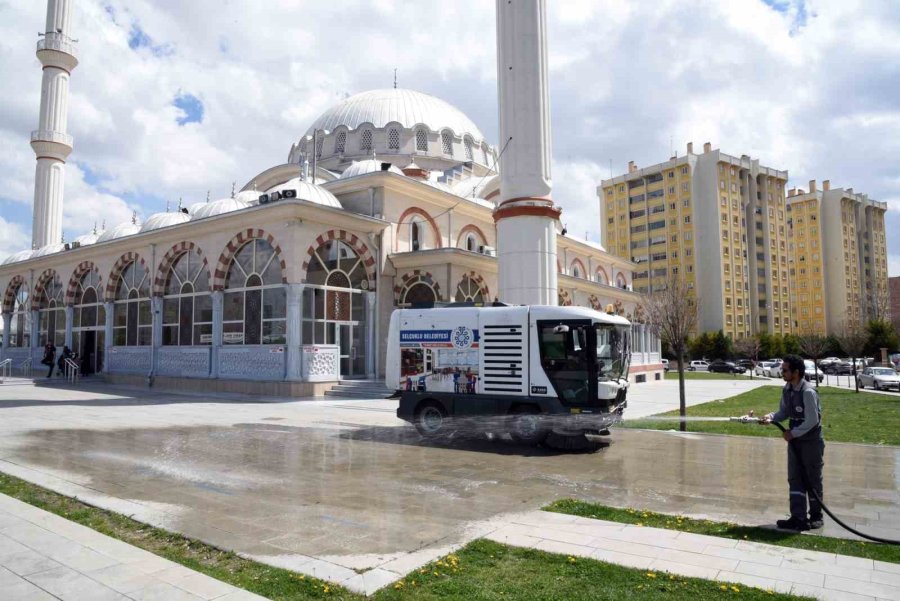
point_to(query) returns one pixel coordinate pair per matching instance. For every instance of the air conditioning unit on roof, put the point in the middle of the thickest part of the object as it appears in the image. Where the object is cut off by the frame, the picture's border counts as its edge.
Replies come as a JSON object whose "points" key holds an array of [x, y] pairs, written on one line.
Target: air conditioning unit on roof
{"points": [[488, 250]]}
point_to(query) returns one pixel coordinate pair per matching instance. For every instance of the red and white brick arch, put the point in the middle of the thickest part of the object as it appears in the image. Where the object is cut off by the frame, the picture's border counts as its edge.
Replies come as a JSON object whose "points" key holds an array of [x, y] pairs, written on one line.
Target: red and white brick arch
{"points": [[122, 262], [46, 276], [168, 261], [82, 268], [410, 279], [405, 220], [470, 229], [479, 281], [351, 240], [9, 296], [234, 245]]}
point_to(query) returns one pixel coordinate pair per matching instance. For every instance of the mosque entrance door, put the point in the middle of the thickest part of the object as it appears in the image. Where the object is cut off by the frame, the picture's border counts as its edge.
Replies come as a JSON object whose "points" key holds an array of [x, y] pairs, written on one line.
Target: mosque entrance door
{"points": [[348, 336]]}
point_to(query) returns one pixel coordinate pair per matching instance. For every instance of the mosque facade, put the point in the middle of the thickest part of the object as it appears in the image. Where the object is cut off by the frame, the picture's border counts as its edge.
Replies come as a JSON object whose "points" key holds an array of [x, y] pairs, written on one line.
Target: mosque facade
{"points": [[287, 285]]}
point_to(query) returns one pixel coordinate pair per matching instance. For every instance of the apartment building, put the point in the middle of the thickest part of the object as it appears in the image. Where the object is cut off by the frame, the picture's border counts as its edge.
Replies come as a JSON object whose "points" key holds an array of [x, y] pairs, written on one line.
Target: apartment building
{"points": [[839, 258], [716, 219]]}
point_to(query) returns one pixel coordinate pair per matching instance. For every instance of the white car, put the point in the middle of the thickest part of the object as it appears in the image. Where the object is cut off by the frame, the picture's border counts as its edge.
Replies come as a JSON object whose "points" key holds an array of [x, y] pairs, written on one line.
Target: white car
{"points": [[774, 369], [761, 367], [665, 364], [879, 378], [810, 369], [698, 366]]}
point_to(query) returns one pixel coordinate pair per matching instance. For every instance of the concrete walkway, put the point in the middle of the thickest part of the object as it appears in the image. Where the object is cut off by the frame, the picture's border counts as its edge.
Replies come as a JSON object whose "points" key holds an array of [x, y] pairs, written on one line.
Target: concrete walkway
{"points": [[44, 556], [781, 569]]}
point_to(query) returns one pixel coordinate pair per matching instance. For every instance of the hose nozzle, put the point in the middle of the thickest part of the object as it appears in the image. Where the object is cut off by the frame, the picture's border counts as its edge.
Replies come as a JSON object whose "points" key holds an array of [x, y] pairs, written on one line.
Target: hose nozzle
{"points": [[746, 419]]}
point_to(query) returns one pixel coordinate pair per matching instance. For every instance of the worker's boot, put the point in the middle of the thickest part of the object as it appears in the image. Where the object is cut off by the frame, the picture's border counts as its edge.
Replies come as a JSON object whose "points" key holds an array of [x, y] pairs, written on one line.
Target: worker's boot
{"points": [[795, 524], [816, 522]]}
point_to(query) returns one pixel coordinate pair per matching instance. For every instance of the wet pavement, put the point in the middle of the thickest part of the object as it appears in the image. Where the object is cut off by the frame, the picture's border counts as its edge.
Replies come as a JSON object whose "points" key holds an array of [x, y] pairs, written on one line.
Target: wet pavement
{"points": [[328, 487]]}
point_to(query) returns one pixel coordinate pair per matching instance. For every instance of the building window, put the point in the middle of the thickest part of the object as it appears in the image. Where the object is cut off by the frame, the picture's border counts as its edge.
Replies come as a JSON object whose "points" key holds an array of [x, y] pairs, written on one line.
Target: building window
{"points": [[394, 139], [471, 242], [365, 140], [20, 325], [255, 302], [468, 290], [421, 140], [132, 320], [447, 142], [89, 321], [52, 313], [187, 305], [467, 143], [340, 142]]}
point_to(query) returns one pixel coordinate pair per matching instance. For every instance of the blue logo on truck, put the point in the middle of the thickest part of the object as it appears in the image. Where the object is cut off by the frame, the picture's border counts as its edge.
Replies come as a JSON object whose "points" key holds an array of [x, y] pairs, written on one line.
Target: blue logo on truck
{"points": [[460, 338]]}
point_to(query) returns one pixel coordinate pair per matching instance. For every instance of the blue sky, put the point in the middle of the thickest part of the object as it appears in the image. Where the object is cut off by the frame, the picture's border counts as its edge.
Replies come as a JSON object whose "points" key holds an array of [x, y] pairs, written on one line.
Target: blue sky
{"points": [[175, 99]]}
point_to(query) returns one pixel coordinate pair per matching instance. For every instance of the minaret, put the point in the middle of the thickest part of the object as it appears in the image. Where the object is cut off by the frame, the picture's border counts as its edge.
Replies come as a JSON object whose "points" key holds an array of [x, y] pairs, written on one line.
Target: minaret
{"points": [[51, 143], [526, 217]]}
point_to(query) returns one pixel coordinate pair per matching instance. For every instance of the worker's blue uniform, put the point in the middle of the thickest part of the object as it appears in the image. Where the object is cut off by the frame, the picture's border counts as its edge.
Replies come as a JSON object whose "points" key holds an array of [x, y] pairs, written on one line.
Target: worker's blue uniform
{"points": [[801, 405]]}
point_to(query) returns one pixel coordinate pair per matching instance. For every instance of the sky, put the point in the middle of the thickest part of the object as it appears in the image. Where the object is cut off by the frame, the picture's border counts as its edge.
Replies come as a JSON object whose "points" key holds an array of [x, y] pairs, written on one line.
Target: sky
{"points": [[176, 100]]}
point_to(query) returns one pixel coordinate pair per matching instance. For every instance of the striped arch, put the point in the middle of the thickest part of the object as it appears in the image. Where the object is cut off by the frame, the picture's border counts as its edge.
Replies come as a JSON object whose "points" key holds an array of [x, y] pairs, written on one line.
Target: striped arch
{"points": [[476, 277], [351, 240], [470, 229], [605, 276], [584, 272], [234, 245], [83, 268], [123, 262], [564, 299], [46, 276], [621, 280], [9, 296], [435, 230], [412, 278], [168, 260]]}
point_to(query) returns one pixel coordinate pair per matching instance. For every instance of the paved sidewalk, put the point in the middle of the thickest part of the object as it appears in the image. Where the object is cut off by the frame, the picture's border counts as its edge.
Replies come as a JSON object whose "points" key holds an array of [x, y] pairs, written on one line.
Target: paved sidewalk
{"points": [[44, 556], [781, 569]]}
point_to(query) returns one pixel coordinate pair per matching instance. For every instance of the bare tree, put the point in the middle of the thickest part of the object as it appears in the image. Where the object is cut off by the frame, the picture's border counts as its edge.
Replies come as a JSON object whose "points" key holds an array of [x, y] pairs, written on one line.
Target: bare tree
{"points": [[814, 346], [877, 304], [748, 346], [672, 314], [852, 337]]}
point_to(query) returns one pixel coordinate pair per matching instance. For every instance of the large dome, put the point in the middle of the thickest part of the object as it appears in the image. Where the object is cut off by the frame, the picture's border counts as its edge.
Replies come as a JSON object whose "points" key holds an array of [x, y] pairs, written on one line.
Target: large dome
{"points": [[406, 107]]}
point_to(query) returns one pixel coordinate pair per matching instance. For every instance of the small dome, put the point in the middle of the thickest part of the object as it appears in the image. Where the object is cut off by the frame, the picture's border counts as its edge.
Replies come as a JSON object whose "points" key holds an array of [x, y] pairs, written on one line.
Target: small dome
{"points": [[161, 220], [251, 197], [22, 255], [217, 207], [87, 239], [309, 192], [119, 231], [49, 249], [481, 186], [367, 166]]}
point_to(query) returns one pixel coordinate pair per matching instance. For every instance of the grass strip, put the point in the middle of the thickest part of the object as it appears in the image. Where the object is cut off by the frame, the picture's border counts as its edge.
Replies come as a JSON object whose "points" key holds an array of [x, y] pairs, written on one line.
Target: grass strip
{"points": [[705, 375], [651, 519], [259, 578], [483, 570], [847, 416]]}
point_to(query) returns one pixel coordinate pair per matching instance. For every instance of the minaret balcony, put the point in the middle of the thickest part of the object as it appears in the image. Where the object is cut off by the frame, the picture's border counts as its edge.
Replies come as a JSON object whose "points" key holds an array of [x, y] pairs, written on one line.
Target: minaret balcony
{"points": [[57, 50], [53, 144]]}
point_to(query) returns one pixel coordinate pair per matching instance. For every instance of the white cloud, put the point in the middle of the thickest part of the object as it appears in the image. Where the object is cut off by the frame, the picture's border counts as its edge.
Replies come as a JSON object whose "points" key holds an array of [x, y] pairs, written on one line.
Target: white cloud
{"points": [[13, 238]]}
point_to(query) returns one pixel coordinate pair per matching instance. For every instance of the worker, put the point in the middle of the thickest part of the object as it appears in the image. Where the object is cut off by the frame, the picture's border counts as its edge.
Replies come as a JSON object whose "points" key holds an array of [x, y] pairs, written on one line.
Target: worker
{"points": [[806, 451]]}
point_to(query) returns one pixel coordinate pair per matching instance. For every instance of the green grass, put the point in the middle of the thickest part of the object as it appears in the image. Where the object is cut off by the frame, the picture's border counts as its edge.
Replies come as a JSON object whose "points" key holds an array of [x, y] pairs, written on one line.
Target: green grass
{"points": [[483, 570], [847, 416], [727, 530], [705, 375]]}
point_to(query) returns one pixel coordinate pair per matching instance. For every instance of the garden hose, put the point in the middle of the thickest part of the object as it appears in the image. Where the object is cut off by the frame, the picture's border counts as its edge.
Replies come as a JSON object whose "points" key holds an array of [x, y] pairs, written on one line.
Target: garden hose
{"points": [[750, 419]]}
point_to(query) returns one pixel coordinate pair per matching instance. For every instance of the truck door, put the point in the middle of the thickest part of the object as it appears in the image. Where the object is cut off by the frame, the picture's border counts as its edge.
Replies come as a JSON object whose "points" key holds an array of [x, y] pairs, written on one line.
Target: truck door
{"points": [[568, 351]]}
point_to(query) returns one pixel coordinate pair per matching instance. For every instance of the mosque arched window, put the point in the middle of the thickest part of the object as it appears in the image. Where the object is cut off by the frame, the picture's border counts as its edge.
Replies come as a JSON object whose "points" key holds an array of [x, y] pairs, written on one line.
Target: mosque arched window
{"points": [[394, 139], [89, 321], [602, 278], [415, 234], [468, 146], [576, 271], [471, 242], [468, 290], [419, 293], [336, 265], [340, 142], [255, 300], [365, 140], [52, 313], [421, 140], [447, 142], [20, 325], [620, 281], [187, 304], [132, 319]]}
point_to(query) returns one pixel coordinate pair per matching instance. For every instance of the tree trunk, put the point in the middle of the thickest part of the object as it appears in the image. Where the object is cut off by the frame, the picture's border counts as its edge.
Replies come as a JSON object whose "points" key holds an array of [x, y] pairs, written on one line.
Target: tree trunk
{"points": [[682, 406], [853, 370], [816, 372]]}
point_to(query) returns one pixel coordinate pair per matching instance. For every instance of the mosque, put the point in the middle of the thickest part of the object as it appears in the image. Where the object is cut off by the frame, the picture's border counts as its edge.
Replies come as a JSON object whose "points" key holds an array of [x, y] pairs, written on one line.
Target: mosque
{"points": [[390, 198]]}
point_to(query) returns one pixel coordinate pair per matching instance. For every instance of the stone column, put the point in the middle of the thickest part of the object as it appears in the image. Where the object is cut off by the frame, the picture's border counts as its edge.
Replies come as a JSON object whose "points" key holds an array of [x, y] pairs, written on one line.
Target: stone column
{"points": [[109, 314], [70, 317], [294, 313], [218, 308], [156, 314], [7, 324], [371, 342], [35, 330]]}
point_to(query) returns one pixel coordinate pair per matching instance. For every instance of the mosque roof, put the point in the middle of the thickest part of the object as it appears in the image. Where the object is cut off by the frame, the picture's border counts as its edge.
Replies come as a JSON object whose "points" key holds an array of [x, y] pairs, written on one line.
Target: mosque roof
{"points": [[161, 220], [22, 255], [309, 192], [367, 166], [217, 207], [87, 239], [49, 249], [121, 230]]}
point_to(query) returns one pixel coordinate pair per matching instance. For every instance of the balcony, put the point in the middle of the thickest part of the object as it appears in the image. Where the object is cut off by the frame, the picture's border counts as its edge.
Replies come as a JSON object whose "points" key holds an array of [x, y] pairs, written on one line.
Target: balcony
{"points": [[46, 135], [57, 42]]}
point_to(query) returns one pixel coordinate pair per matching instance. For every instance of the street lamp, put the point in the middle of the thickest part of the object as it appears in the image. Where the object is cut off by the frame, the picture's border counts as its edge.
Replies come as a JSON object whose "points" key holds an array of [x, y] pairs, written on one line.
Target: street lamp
{"points": [[315, 149]]}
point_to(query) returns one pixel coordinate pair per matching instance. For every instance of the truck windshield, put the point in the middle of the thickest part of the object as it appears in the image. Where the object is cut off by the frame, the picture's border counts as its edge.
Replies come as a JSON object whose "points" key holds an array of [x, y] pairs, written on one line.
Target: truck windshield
{"points": [[612, 351]]}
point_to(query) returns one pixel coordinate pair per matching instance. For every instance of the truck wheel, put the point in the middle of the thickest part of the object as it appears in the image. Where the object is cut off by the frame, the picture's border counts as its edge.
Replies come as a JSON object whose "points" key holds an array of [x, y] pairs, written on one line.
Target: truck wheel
{"points": [[430, 419], [527, 428]]}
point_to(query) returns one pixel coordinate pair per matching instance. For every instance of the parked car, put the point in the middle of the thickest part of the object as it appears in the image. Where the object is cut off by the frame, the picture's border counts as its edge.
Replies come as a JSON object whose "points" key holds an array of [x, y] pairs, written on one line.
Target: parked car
{"points": [[665, 363], [747, 364], [762, 367], [725, 367], [811, 370], [774, 369], [879, 378], [698, 366]]}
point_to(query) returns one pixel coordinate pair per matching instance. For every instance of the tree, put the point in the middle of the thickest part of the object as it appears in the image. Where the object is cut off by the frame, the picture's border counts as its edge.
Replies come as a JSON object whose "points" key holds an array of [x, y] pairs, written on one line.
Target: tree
{"points": [[881, 334], [721, 346], [672, 314], [702, 346], [814, 347], [749, 347], [852, 338]]}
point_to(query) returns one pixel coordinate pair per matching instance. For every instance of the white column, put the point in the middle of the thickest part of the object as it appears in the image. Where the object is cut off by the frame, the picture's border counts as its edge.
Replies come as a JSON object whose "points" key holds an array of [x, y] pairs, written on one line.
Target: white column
{"points": [[35, 330], [526, 217], [109, 315], [218, 307], [156, 316], [293, 324], [371, 342], [70, 317], [7, 324]]}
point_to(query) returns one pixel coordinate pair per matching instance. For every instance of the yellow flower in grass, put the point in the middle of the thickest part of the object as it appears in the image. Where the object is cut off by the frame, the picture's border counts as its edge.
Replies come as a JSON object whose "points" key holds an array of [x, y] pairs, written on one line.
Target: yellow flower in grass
{"points": [[651, 575], [325, 589], [398, 585], [571, 559], [723, 587], [735, 589]]}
